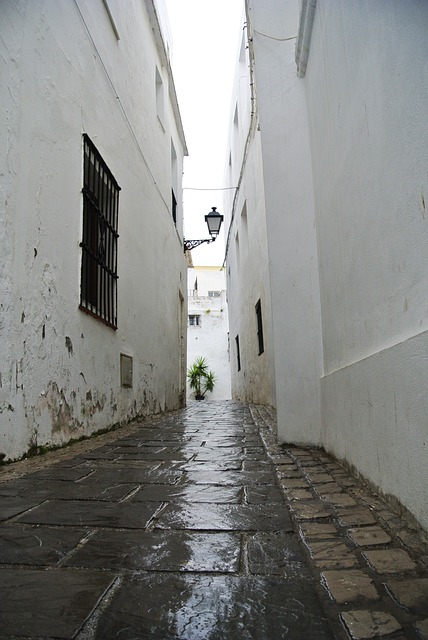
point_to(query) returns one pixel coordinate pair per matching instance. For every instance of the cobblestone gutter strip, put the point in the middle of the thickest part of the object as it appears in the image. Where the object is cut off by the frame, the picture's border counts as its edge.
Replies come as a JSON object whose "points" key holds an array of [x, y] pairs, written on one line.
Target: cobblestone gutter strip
{"points": [[372, 564]]}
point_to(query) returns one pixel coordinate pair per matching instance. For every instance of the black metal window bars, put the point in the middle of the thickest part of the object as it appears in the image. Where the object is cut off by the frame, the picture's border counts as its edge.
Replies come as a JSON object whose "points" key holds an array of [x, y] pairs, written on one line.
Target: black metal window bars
{"points": [[98, 290]]}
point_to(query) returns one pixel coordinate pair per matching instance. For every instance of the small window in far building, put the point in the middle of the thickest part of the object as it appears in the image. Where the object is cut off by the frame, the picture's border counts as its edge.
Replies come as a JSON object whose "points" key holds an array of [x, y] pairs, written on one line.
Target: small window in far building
{"points": [[194, 321], [214, 294], [174, 207], [259, 327]]}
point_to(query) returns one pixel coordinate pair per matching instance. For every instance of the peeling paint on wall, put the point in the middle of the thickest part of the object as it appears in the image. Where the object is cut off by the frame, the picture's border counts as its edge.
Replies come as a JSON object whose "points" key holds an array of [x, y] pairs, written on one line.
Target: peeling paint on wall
{"points": [[54, 401], [4, 406]]}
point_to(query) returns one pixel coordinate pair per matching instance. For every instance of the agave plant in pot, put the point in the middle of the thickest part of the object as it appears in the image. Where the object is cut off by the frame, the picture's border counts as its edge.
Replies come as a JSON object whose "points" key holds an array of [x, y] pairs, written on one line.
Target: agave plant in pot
{"points": [[201, 379]]}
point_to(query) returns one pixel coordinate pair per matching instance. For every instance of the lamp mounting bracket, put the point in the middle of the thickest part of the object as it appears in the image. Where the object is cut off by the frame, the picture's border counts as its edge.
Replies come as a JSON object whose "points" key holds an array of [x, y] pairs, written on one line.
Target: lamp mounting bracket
{"points": [[191, 244]]}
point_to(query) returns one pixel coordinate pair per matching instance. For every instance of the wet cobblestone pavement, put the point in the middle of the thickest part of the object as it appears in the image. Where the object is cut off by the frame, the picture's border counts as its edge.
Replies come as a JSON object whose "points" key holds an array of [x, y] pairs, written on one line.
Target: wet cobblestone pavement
{"points": [[197, 525]]}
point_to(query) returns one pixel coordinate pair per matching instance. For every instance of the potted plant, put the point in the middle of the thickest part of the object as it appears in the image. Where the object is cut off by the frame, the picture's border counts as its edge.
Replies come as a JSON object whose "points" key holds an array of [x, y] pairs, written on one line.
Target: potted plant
{"points": [[200, 378]]}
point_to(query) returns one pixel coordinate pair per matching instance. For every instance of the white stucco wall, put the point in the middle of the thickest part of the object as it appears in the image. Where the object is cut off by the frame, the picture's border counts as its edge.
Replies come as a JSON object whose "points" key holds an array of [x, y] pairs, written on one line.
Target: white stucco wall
{"points": [[64, 73], [246, 253], [343, 156], [209, 339], [375, 417], [290, 221], [370, 173], [369, 140]]}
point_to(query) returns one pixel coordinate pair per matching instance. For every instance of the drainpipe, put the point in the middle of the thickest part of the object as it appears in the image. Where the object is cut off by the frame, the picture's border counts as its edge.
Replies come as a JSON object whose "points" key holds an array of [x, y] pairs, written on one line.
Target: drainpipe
{"points": [[304, 37]]}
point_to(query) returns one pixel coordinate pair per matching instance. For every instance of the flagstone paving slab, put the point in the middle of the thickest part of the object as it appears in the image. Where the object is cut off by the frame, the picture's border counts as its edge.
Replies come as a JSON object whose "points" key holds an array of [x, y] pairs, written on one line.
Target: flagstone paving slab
{"points": [[160, 551], [294, 483], [390, 560], [220, 465], [184, 493], [166, 607], [11, 506], [299, 494], [363, 625], [320, 478], [27, 545], [264, 494], [283, 460], [218, 517], [369, 536], [277, 553], [92, 513], [309, 510], [356, 517], [347, 586], [52, 603], [202, 454], [64, 474], [290, 473], [230, 477], [126, 472], [331, 554], [326, 489], [318, 530], [88, 489], [410, 593], [340, 500]]}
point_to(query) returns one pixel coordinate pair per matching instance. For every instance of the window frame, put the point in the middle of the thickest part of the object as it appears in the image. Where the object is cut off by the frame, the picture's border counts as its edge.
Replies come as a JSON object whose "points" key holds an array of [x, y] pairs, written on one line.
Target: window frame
{"points": [[174, 207], [238, 352], [98, 279], [197, 317]]}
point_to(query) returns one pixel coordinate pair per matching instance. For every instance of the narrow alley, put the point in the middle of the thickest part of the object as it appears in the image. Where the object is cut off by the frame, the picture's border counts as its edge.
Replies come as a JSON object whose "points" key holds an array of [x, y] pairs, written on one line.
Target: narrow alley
{"points": [[197, 525]]}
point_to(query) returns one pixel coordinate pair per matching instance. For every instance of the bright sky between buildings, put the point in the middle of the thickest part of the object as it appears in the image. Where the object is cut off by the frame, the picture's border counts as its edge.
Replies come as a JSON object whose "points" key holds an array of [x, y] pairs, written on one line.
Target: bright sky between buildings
{"points": [[205, 40]]}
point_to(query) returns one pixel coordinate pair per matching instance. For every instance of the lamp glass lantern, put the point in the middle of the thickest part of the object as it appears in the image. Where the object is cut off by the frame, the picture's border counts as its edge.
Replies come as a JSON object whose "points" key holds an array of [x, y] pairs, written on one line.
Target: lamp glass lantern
{"points": [[214, 220]]}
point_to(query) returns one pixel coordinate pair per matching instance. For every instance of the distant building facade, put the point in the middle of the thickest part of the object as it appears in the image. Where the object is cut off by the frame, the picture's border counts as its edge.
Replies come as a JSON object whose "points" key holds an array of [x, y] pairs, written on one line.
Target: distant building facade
{"points": [[328, 231], [93, 323], [207, 331]]}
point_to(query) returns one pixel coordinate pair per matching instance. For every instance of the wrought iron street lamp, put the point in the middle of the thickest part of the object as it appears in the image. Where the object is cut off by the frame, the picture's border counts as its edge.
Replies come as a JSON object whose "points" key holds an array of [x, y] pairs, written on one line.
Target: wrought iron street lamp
{"points": [[213, 220]]}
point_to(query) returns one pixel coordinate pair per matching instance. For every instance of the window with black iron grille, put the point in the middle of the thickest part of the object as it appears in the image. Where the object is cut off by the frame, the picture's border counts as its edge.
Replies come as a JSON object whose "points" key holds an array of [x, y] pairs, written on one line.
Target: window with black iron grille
{"points": [[98, 287], [259, 327], [238, 353]]}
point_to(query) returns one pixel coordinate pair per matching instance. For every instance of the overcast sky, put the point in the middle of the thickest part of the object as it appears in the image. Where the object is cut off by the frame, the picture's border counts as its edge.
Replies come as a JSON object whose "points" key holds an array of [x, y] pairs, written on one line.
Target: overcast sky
{"points": [[205, 39]]}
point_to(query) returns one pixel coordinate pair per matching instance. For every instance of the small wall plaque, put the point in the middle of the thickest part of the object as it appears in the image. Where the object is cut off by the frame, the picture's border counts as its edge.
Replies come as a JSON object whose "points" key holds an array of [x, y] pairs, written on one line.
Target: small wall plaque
{"points": [[125, 370]]}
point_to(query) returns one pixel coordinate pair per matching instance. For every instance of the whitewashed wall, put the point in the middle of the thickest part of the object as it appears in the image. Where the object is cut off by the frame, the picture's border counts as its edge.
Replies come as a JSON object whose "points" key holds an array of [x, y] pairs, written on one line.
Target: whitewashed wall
{"points": [[247, 264], [209, 339], [367, 104], [290, 220], [342, 227], [65, 73]]}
